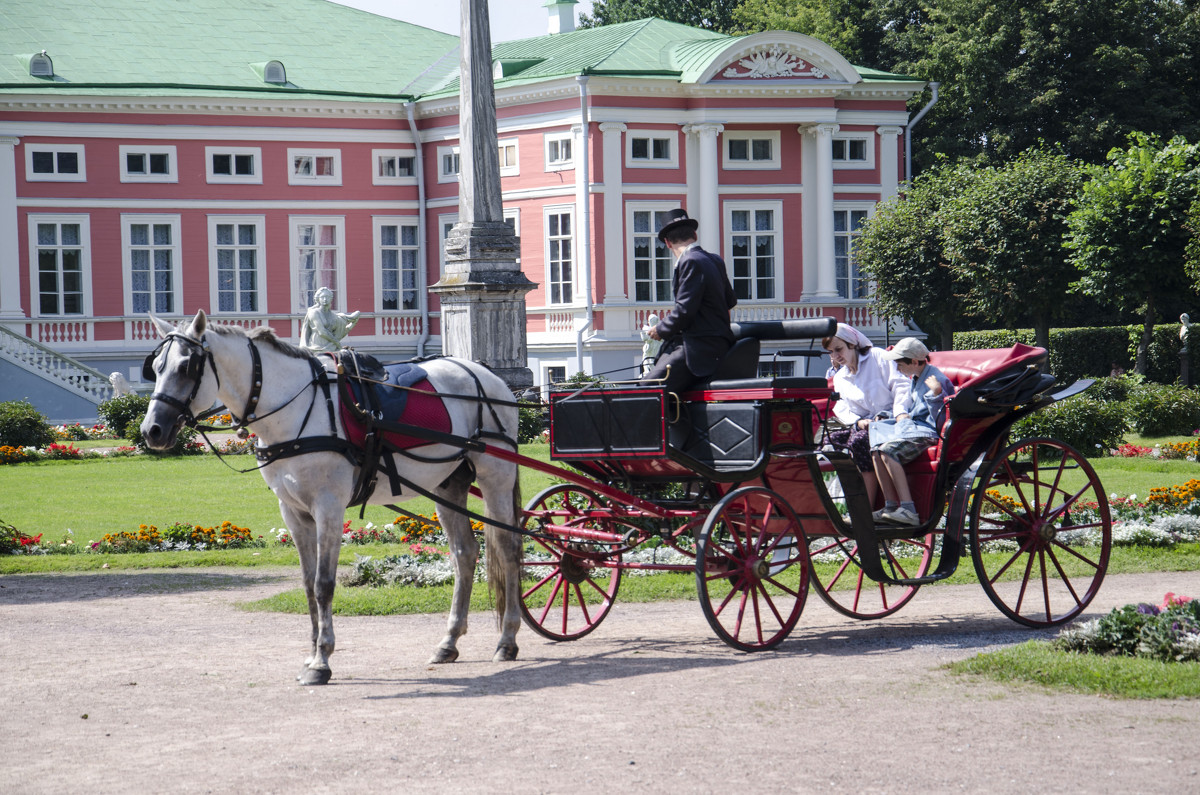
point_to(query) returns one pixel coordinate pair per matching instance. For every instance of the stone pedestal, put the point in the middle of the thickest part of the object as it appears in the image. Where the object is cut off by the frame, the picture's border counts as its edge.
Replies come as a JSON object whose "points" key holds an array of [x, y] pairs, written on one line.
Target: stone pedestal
{"points": [[482, 295]]}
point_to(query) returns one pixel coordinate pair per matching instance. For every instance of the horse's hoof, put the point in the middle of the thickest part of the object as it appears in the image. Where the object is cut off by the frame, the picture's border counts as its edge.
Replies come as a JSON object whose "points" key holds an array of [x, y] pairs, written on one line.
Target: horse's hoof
{"points": [[441, 655], [315, 676], [505, 653]]}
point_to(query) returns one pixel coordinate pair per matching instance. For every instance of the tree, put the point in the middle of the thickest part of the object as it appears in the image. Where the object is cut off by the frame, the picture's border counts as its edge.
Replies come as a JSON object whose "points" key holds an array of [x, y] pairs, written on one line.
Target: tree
{"points": [[707, 14], [1004, 233], [1083, 73], [871, 33], [902, 250], [1128, 233]]}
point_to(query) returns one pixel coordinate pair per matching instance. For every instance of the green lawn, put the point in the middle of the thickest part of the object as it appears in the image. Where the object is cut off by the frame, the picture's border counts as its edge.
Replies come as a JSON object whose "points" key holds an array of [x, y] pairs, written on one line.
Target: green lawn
{"points": [[97, 496]]}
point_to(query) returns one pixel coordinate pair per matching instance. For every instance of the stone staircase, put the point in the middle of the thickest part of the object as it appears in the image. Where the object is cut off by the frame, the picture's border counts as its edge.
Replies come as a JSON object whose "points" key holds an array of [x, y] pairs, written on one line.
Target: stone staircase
{"points": [[61, 371]]}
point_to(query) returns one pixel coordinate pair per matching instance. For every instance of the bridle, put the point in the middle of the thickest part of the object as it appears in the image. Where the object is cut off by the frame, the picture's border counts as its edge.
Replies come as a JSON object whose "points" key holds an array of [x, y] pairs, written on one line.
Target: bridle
{"points": [[198, 354]]}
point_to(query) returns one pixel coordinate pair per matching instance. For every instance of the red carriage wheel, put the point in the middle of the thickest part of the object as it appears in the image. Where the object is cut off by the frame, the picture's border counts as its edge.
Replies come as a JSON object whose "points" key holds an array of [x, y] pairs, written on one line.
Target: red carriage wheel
{"points": [[838, 578], [752, 569], [1035, 503], [568, 584]]}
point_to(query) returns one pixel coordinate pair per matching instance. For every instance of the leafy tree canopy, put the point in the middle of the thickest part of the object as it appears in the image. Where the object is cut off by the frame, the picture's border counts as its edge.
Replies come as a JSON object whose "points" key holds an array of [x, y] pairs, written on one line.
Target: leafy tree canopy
{"points": [[1129, 234], [707, 14]]}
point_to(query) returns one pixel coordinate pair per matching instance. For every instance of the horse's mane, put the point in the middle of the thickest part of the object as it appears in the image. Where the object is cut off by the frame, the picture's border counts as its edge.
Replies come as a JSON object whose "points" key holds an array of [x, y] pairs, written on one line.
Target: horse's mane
{"points": [[265, 335]]}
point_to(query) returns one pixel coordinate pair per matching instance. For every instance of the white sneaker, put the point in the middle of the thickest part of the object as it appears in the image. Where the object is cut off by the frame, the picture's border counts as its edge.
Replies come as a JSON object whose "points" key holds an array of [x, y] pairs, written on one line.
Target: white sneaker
{"points": [[902, 516], [878, 515]]}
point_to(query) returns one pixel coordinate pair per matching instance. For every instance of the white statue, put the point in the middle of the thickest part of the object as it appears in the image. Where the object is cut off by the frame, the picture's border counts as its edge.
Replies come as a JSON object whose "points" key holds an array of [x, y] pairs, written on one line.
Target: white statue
{"points": [[650, 347], [324, 328], [120, 385]]}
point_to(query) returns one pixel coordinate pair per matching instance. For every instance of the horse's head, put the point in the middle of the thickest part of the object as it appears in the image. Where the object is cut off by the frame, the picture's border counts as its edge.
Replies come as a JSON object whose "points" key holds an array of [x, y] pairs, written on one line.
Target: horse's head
{"points": [[177, 368]]}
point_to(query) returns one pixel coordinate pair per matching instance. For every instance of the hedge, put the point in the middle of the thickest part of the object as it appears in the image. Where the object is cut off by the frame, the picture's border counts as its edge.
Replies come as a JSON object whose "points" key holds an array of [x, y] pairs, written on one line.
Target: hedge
{"points": [[1091, 352]]}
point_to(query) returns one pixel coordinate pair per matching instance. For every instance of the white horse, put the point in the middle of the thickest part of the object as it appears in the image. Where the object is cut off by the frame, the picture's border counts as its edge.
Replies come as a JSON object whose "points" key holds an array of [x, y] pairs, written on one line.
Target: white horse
{"points": [[199, 363]]}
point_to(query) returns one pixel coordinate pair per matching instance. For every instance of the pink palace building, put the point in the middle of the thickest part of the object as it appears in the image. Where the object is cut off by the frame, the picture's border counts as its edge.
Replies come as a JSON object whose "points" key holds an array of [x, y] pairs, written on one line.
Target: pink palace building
{"points": [[234, 157]]}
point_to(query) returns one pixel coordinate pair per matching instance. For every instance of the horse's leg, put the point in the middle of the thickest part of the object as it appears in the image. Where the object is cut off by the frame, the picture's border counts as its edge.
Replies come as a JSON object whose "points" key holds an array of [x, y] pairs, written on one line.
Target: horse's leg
{"points": [[502, 497], [304, 535], [319, 544], [464, 551]]}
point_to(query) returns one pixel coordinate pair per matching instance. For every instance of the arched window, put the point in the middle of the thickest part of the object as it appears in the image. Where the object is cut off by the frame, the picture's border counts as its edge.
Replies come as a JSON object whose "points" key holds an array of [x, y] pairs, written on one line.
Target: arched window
{"points": [[40, 65], [274, 72]]}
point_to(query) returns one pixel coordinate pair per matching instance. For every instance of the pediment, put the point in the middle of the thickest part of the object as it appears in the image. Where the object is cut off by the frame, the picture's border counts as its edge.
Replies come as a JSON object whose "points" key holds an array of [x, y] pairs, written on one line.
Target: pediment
{"points": [[777, 55]]}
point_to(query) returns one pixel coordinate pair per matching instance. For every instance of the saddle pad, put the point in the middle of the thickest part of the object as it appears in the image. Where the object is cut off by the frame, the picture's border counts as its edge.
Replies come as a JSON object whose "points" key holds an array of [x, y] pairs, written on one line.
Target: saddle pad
{"points": [[422, 408]]}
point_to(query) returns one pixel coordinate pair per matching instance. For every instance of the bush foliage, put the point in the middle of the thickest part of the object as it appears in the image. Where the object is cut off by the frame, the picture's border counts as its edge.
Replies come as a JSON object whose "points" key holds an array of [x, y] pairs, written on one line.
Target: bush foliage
{"points": [[21, 425], [1092, 427], [1091, 352], [117, 412], [1163, 410]]}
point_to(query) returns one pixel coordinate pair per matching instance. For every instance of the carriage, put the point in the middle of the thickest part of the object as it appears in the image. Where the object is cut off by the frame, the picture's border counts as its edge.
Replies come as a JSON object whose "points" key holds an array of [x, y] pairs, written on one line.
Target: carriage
{"points": [[733, 481], [737, 480]]}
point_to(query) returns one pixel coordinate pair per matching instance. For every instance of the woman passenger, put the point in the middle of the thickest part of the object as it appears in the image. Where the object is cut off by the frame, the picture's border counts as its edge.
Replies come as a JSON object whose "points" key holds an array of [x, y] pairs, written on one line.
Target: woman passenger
{"points": [[869, 387]]}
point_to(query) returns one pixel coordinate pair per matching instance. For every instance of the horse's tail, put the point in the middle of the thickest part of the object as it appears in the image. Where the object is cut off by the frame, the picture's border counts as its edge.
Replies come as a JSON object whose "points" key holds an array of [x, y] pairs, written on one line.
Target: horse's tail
{"points": [[504, 552]]}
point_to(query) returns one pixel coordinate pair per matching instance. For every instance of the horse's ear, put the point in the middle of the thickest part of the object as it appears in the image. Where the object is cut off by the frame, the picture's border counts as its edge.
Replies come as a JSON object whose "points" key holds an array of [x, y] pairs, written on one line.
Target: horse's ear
{"points": [[164, 328], [199, 324]]}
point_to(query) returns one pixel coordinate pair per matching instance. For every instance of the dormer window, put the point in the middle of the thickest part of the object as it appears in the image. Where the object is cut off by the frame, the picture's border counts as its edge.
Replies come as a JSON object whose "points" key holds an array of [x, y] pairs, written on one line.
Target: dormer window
{"points": [[40, 65], [274, 72]]}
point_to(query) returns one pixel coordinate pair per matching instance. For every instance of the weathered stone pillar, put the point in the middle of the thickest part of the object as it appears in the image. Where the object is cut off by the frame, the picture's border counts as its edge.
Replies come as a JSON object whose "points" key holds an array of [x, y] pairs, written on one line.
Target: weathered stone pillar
{"points": [[482, 291]]}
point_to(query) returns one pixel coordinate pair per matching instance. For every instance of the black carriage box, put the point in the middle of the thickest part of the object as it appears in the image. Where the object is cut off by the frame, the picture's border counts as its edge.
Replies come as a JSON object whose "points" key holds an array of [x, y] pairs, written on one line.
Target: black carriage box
{"points": [[721, 426], [608, 423]]}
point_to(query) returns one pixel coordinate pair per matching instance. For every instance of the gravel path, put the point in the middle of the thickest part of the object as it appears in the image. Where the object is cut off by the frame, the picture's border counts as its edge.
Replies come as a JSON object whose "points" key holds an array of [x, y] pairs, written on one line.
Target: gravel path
{"points": [[155, 682]]}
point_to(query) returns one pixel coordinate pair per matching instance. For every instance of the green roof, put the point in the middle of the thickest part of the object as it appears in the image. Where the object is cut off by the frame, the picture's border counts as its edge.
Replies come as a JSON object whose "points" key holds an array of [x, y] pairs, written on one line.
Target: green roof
{"points": [[212, 44], [218, 48]]}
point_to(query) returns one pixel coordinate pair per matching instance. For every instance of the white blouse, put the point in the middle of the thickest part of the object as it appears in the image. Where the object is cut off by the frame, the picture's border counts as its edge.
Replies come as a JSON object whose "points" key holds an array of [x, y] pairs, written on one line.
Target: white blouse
{"points": [[877, 387]]}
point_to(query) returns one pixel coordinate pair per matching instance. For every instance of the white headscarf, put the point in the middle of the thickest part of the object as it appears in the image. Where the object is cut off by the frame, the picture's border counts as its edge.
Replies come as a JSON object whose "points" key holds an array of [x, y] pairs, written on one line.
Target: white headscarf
{"points": [[853, 336]]}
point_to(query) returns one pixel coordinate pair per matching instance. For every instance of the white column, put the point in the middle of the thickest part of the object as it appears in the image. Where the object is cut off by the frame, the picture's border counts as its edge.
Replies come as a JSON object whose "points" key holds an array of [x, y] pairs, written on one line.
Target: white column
{"points": [[692, 151], [10, 262], [889, 161], [709, 211], [808, 217], [612, 153], [826, 277]]}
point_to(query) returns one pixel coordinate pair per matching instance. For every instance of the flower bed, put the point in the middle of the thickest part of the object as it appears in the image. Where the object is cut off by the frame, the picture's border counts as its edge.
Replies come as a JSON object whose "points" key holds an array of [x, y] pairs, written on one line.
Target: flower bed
{"points": [[1169, 632]]}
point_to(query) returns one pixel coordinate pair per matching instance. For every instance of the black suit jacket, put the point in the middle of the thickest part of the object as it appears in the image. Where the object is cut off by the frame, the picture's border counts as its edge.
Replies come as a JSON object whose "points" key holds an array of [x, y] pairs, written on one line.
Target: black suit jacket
{"points": [[699, 321]]}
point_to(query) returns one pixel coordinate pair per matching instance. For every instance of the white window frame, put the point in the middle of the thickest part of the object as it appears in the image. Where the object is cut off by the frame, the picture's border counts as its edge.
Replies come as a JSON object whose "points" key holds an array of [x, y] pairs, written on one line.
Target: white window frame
{"points": [[631, 208], [172, 174], [233, 179], [176, 249], [301, 303], [259, 222], [513, 168], [869, 208], [569, 211], [775, 162], [751, 206], [652, 162], [443, 175], [555, 140], [377, 224], [546, 367], [56, 175], [296, 178], [377, 155], [868, 139], [85, 262]]}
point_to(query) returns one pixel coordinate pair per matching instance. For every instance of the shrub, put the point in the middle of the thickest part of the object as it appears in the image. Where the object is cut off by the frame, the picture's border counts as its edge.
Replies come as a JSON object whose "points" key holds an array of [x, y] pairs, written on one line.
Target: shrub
{"points": [[1113, 389], [532, 421], [118, 412], [1163, 410], [185, 442], [21, 425], [1090, 426]]}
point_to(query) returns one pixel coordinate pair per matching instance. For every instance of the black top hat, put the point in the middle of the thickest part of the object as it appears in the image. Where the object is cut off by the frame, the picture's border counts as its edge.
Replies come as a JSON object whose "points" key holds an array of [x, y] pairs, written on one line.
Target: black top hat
{"points": [[677, 219]]}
